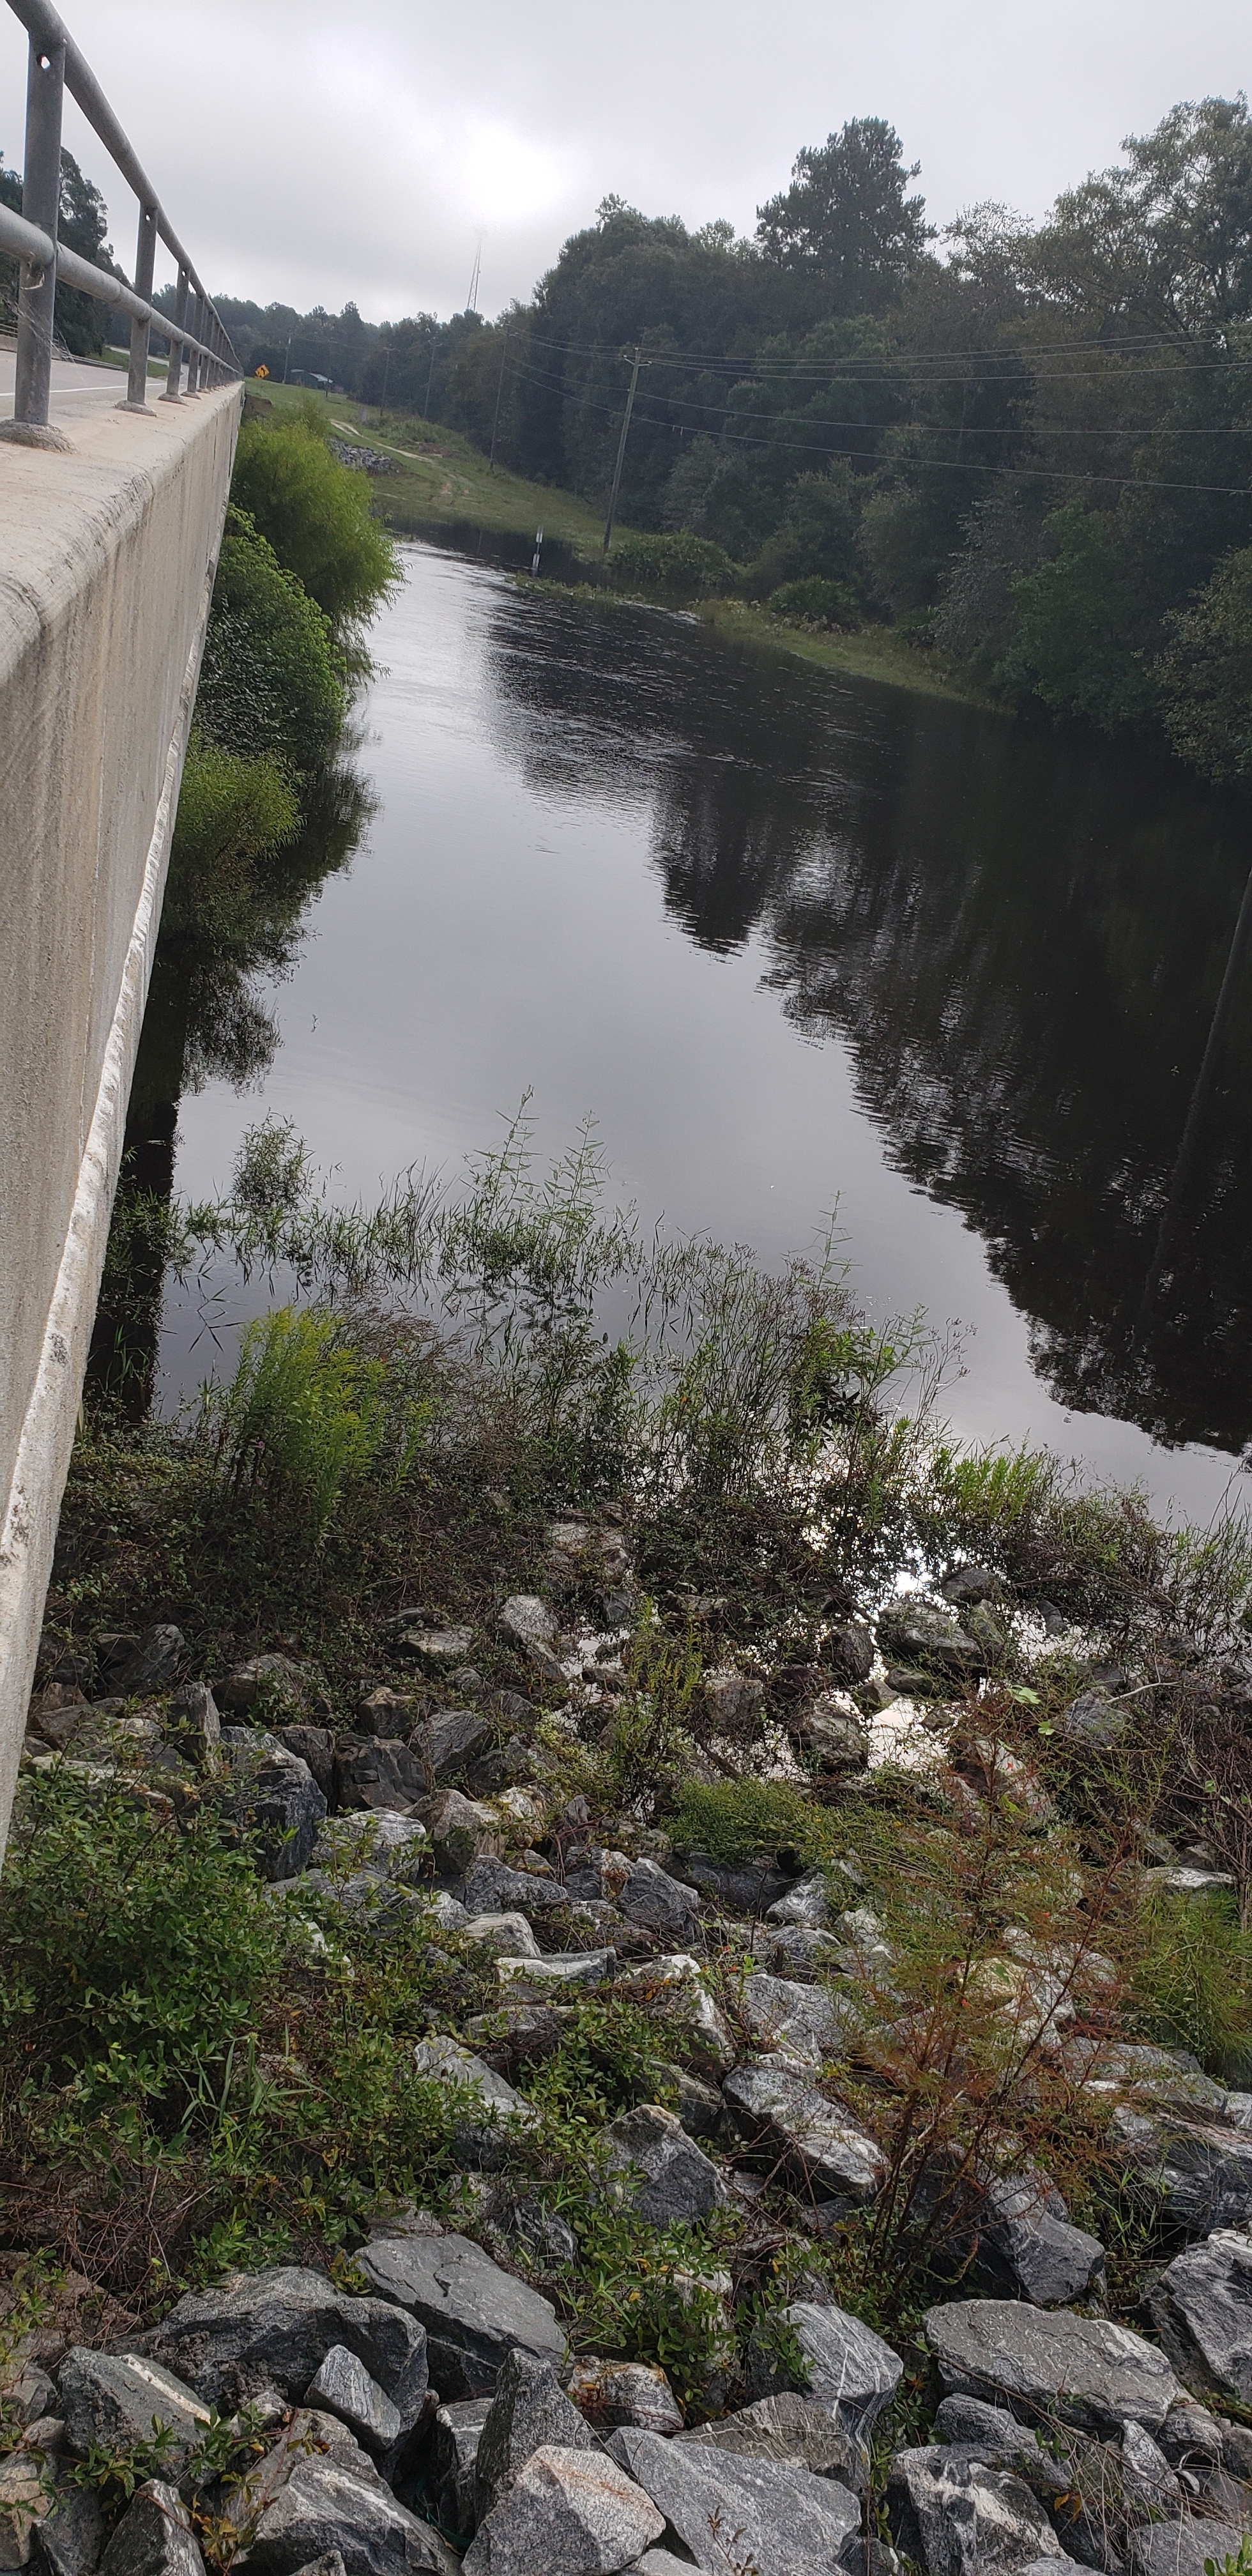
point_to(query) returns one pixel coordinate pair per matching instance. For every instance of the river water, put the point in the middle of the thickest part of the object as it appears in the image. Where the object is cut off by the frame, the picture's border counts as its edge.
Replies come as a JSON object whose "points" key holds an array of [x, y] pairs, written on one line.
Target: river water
{"points": [[798, 943]]}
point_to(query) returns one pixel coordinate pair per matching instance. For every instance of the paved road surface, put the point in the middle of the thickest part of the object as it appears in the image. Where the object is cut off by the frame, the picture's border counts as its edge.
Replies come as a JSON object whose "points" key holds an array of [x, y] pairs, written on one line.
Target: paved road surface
{"points": [[77, 388]]}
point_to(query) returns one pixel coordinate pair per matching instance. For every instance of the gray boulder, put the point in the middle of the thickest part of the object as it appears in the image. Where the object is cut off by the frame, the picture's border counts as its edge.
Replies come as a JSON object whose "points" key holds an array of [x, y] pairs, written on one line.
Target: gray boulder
{"points": [[455, 2434], [377, 1772], [474, 2314], [788, 2126], [528, 2411], [847, 2369], [971, 2419], [69, 2541], [571, 2512], [918, 1632], [1183, 2548], [491, 1887], [195, 1723], [624, 2392], [437, 1650], [336, 2503], [392, 1846], [482, 2137], [148, 1664], [263, 1677], [787, 2427], [733, 2511], [526, 1620], [533, 1981], [278, 1801], [1025, 2245], [450, 1739], [1052, 2366], [116, 2399], [273, 2329], [851, 1650], [1201, 2306], [739, 1887], [807, 1903], [508, 1935], [667, 2178], [799, 1953], [316, 1746], [342, 2386], [664, 1904], [154, 2536], [956, 2517], [800, 2022], [970, 1584], [1095, 1721], [1197, 2165], [387, 1713]]}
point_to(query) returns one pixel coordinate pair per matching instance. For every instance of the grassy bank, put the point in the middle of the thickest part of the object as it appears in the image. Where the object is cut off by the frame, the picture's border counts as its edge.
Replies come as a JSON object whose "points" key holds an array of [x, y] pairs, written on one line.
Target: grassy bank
{"points": [[869, 653]]}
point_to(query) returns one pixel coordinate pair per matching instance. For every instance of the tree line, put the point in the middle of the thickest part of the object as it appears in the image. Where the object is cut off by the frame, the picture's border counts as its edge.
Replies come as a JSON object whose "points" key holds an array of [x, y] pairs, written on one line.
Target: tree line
{"points": [[1029, 447]]}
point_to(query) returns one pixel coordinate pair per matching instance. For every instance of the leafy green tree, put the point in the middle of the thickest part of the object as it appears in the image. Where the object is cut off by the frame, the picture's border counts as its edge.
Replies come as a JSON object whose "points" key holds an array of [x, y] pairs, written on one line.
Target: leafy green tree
{"points": [[1205, 674], [82, 224], [847, 218], [1165, 239], [316, 515], [1081, 629], [817, 535]]}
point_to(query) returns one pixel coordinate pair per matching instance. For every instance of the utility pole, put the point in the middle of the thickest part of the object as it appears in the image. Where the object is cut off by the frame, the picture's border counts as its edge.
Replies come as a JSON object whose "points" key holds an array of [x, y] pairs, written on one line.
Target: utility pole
{"points": [[491, 461], [287, 359], [621, 451]]}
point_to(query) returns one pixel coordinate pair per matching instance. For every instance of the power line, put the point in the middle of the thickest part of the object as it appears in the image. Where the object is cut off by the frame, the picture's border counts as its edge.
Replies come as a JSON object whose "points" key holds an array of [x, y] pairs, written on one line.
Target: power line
{"points": [[937, 464]]}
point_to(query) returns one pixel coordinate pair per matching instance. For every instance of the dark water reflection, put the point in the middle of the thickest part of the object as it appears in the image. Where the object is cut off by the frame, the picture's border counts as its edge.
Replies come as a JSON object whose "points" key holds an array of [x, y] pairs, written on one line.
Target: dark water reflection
{"points": [[793, 935], [1019, 936]]}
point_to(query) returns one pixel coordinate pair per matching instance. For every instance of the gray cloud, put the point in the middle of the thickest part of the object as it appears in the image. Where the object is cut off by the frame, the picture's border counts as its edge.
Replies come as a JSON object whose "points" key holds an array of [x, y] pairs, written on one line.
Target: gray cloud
{"points": [[311, 153]]}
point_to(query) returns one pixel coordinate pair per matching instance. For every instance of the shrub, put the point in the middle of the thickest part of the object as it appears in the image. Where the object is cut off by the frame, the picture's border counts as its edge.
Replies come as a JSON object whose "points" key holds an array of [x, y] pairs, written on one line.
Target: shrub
{"points": [[316, 515], [233, 810], [815, 601], [1206, 674], [134, 1950], [746, 1819], [272, 680], [679, 568], [303, 1414]]}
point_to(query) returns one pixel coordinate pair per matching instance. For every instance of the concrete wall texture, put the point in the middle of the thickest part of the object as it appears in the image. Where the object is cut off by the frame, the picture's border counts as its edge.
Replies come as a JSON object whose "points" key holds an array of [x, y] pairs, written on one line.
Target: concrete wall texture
{"points": [[106, 566]]}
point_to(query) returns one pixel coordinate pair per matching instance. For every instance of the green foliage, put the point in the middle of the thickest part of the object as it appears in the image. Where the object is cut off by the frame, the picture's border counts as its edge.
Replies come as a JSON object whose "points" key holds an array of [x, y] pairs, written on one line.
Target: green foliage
{"points": [[847, 217], [1081, 630], [814, 601], [315, 513], [679, 567], [303, 1415], [746, 1819], [234, 813], [1205, 674], [134, 1950], [1238, 2563], [272, 679], [1193, 1986]]}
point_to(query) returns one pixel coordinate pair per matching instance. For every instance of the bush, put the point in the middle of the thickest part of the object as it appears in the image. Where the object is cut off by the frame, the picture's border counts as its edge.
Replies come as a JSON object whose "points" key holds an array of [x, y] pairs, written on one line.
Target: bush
{"points": [[745, 1819], [232, 811], [133, 1951], [272, 681], [679, 568], [1206, 674], [814, 601], [315, 513], [303, 1415]]}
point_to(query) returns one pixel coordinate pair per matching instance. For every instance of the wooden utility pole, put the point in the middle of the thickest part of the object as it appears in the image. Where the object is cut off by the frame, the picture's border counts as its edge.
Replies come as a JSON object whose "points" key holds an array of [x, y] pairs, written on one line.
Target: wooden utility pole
{"points": [[491, 461], [621, 451]]}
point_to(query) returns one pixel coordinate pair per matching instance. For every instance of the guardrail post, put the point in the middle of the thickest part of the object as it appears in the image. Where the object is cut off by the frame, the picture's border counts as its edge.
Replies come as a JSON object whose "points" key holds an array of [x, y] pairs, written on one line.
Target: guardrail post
{"points": [[41, 205], [141, 332], [171, 393], [195, 363]]}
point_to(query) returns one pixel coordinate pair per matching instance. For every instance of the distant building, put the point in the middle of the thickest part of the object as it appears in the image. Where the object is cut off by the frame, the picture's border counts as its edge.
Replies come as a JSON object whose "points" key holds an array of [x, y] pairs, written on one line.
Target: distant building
{"points": [[303, 376]]}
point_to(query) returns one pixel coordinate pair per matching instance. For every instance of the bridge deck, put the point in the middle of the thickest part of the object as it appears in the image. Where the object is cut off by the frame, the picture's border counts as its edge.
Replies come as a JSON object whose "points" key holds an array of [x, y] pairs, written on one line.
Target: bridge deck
{"points": [[78, 388]]}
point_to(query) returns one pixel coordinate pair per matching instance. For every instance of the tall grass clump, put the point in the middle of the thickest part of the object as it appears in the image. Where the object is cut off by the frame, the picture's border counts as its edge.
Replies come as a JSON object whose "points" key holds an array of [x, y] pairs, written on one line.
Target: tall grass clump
{"points": [[303, 1415]]}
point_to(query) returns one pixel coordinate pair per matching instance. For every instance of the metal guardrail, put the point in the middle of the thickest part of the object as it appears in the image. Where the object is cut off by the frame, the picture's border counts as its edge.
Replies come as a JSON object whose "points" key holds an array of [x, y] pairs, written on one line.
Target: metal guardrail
{"points": [[197, 336]]}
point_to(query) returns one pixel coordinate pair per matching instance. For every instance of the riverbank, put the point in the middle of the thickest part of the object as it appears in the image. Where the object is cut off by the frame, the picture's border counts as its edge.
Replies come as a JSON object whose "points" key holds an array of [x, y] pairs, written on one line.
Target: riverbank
{"points": [[555, 1820]]}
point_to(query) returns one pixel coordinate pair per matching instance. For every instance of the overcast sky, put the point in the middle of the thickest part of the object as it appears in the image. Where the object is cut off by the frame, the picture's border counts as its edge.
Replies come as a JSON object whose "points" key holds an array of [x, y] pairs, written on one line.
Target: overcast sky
{"points": [[316, 152]]}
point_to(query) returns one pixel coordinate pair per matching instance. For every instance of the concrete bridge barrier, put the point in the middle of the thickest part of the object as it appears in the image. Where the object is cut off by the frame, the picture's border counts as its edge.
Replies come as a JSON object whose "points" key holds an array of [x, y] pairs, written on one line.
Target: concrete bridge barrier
{"points": [[107, 556]]}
